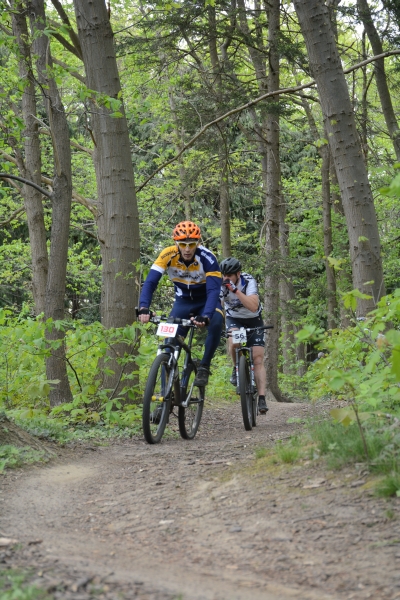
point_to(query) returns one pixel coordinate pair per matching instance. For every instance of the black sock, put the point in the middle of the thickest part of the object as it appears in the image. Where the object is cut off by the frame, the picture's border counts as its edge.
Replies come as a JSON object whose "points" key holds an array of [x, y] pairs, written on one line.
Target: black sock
{"points": [[259, 397]]}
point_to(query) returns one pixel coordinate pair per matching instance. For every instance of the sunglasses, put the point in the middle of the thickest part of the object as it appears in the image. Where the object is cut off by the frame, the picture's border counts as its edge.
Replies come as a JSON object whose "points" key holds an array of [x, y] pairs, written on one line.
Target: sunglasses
{"points": [[183, 245]]}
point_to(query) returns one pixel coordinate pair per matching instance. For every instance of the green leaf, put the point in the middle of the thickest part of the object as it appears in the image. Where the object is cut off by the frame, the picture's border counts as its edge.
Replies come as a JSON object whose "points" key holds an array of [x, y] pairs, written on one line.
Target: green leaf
{"points": [[345, 416], [396, 363]]}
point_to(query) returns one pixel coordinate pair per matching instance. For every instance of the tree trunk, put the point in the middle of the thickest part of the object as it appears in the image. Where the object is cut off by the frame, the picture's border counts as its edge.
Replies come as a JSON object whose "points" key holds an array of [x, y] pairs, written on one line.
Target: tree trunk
{"points": [[118, 222], [365, 15], [56, 368], [30, 167], [343, 275], [328, 246], [272, 207], [286, 294], [327, 219], [267, 132], [224, 209], [346, 151]]}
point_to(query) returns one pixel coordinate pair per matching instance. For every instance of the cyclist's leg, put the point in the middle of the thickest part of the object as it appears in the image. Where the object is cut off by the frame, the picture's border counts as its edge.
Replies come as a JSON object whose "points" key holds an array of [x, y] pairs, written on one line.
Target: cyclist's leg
{"points": [[256, 340], [213, 337], [184, 309], [259, 369], [231, 325]]}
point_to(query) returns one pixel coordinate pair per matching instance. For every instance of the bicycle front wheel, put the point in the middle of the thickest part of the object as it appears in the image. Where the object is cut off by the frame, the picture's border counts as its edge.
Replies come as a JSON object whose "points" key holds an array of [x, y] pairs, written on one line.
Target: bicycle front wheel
{"points": [[246, 399], [190, 416], [157, 399]]}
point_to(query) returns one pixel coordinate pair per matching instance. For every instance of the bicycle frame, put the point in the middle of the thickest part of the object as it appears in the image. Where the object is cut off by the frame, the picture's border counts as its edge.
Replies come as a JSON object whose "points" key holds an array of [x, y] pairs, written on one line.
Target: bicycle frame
{"points": [[175, 351]]}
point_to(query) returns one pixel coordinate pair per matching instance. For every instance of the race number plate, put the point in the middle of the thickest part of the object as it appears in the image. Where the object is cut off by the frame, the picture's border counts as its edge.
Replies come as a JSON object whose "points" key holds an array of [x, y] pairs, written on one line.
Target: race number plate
{"points": [[167, 329], [239, 336]]}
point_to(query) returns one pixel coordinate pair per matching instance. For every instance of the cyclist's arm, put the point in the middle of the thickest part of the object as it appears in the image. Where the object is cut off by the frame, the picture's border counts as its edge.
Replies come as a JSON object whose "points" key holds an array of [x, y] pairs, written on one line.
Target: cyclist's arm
{"points": [[149, 287], [250, 302], [156, 272]]}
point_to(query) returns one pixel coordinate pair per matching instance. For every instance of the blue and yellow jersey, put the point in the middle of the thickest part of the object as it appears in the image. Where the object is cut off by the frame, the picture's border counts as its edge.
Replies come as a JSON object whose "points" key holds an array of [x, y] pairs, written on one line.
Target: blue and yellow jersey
{"points": [[198, 280]]}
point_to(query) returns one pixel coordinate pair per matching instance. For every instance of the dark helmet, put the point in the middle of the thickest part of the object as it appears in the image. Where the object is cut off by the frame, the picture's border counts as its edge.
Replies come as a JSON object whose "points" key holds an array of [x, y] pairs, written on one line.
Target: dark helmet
{"points": [[230, 266]]}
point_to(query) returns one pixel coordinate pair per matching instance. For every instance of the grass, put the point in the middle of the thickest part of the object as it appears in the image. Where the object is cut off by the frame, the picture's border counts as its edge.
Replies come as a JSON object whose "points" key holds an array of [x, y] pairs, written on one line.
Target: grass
{"points": [[13, 586], [290, 451], [343, 445], [260, 453], [389, 486]]}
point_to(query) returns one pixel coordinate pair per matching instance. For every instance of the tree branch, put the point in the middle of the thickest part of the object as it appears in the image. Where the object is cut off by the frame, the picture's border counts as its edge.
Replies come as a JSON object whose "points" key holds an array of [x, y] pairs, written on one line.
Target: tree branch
{"points": [[13, 216], [68, 69], [290, 90], [71, 32], [26, 182]]}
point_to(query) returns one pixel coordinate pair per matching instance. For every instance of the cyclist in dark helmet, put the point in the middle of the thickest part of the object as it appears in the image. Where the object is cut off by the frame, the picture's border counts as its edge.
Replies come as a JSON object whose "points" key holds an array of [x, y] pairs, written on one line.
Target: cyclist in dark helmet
{"points": [[243, 308], [196, 275]]}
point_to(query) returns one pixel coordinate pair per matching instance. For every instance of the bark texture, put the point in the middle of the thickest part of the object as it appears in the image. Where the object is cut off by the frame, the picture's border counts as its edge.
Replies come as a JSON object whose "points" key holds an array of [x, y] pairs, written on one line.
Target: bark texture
{"points": [[346, 151], [56, 368], [118, 220], [30, 166], [272, 206]]}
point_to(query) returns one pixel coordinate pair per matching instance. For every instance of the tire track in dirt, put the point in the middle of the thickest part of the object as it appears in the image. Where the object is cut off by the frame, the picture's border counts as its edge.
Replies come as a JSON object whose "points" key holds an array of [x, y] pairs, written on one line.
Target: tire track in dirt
{"points": [[197, 520]]}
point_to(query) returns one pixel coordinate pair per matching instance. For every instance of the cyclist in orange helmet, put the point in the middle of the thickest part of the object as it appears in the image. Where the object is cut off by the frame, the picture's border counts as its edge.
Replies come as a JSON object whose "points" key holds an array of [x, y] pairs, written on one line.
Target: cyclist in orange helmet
{"points": [[196, 275]]}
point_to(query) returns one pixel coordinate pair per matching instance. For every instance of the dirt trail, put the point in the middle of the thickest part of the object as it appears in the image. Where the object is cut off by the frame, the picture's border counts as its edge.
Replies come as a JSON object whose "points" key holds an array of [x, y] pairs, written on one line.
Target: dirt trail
{"points": [[201, 520]]}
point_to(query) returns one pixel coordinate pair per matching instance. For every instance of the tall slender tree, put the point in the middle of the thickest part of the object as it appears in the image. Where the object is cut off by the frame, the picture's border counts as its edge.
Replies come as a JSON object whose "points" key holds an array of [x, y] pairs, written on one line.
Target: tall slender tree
{"points": [[346, 150], [61, 203], [365, 15], [30, 162]]}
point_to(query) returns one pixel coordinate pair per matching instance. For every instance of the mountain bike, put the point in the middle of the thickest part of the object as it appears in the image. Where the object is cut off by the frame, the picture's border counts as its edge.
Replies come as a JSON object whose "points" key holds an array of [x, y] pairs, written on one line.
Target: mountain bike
{"points": [[166, 388], [246, 384]]}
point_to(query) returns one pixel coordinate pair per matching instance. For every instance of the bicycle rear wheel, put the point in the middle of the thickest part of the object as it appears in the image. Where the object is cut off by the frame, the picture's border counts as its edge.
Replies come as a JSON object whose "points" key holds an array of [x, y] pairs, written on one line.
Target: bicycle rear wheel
{"points": [[157, 399], [190, 416], [246, 399], [254, 412]]}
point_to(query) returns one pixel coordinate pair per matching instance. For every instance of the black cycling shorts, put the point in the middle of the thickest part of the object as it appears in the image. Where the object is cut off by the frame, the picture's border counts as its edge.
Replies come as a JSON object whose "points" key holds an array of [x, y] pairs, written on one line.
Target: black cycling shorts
{"points": [[254, 338]]}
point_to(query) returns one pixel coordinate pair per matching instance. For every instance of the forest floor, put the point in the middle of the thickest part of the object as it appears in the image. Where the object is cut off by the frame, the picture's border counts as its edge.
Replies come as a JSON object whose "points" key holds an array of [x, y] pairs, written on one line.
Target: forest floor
{"points": [[200, 520]]}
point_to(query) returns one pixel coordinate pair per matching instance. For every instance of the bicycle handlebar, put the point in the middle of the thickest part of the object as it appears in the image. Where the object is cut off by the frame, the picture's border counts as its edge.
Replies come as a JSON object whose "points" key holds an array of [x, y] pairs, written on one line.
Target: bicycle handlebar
{"points": [[156, 319], [252, 328]]}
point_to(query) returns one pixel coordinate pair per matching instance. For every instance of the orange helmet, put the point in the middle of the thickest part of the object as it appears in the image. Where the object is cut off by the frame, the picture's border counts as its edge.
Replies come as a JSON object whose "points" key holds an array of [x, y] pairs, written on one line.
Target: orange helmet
{"points": [[186, 230]]}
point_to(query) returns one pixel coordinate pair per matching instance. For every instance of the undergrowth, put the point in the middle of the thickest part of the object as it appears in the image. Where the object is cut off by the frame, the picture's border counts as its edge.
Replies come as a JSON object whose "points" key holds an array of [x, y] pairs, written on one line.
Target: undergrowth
{"points": [[14, 586], [12, 457], [338, 447]]}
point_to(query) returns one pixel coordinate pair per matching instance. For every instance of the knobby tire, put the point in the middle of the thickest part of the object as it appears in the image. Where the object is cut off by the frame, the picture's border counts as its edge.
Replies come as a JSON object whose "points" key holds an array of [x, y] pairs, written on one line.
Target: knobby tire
{"points": [[246, 399], [154, 400], [189, 417]]}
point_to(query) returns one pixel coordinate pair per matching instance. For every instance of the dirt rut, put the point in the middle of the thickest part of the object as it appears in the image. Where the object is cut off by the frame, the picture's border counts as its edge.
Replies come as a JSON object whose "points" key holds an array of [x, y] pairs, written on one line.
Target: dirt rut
{"points": [[201, 520]]}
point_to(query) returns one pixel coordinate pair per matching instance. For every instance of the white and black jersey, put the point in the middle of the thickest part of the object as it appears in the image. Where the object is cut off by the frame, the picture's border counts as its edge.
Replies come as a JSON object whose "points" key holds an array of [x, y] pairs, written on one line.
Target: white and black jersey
{"points": [[233, 307]]}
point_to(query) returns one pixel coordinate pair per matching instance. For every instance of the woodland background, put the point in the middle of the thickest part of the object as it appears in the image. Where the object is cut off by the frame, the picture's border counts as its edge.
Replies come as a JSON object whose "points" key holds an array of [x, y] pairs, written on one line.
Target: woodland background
{"points": [[131, 116]]}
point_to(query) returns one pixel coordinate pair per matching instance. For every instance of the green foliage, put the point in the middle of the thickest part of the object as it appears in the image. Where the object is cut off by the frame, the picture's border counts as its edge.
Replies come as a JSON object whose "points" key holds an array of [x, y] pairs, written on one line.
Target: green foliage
{"points": [[343, 445], [362, 364], [14, 586], [389, 486], [260, 452], [11, 456], [288, 453], [24, 387]]}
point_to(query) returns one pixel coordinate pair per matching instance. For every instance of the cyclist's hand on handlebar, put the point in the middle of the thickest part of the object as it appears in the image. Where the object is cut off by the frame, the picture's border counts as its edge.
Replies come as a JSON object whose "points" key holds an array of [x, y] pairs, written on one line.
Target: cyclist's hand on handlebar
{"points": [[200, 320], [229, 285], [144, 314]]}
